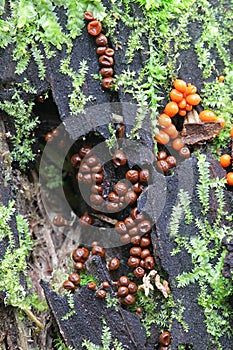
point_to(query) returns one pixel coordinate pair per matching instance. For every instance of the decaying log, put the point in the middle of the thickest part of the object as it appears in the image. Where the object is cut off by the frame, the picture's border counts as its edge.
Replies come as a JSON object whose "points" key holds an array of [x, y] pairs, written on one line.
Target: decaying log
{"points": [[86, 323], [187, 296], [9, 332]]}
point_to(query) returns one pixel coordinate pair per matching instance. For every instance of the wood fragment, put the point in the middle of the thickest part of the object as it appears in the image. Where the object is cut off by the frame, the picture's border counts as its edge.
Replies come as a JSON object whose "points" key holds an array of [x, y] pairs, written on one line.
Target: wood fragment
{"points": [[88, 311], [105, 218], [196, 132], [33, 318]]}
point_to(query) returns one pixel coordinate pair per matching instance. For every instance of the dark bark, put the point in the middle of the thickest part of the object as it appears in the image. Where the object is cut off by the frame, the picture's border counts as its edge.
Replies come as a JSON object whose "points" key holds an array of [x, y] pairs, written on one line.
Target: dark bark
{"points": [[86, 322]]}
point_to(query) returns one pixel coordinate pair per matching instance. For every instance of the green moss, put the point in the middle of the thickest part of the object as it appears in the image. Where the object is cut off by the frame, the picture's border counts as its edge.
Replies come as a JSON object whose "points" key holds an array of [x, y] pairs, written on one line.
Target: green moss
{"points": [[185, 347], [70, 301], [5, 216], [148, 305], [21, 112], [107, 342], [215, 37], [164, 28], [112, 302], [162, 33], [60, 275], [217, 97], [59, 344], [87, 278], [177, 309], [111, 142], [207, 254], [159, 311], [14, 264], [35, 30], [14, 261], [53, 176], [78, 99], [180, 211], [30, 24]]}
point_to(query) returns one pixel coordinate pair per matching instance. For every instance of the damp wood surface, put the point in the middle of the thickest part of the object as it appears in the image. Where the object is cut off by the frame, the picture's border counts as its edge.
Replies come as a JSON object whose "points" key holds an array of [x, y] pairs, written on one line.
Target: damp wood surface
{"points": [[52, 248], [174, 265]]}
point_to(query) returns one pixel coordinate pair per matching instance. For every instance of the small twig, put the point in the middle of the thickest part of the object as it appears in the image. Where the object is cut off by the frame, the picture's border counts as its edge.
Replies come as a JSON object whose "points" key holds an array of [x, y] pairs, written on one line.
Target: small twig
{"points": [[33, 318], [105, 219]]}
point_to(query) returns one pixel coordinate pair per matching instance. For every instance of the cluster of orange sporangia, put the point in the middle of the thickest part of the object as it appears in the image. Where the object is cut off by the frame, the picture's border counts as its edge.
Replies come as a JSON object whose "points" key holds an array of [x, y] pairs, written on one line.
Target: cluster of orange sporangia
{"points": [[226, 162], [183, 98]]}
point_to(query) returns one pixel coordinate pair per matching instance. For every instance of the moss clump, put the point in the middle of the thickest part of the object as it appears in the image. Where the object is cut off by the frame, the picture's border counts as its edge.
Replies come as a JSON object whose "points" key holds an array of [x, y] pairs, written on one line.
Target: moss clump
{"points": [[207, 253], [35, 30], [107, 341], [14, 264], [163, 28]]}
